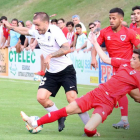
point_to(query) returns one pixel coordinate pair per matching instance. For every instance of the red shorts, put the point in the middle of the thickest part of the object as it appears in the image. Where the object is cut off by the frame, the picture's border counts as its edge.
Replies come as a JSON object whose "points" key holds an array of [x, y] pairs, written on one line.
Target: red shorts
{"points": [[96, 100]]}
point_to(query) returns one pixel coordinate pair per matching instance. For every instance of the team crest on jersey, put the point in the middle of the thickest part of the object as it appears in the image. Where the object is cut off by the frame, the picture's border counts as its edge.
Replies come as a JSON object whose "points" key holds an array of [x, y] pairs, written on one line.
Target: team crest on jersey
{"points": [[132, 72], [123, 37], [137, 36]]}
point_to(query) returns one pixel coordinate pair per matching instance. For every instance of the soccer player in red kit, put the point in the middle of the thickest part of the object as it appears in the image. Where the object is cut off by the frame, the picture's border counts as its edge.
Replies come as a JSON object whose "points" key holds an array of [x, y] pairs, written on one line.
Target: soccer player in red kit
{"points": [[136, 12], [103, 99], [119, 41]]}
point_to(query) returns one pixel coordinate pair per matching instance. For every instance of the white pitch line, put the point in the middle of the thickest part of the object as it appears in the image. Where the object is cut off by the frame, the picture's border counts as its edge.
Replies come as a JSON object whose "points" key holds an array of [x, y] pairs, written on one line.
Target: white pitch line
{"points": [[36, 83]]}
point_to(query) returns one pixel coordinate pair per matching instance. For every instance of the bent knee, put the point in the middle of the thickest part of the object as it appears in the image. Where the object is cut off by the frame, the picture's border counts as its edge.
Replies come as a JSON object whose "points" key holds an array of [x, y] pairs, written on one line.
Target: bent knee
{"points": [[71, 98]]}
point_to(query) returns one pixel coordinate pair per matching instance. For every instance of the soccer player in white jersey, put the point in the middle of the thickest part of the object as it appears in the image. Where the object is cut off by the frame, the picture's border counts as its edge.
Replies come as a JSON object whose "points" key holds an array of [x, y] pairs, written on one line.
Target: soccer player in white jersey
{"points": [[60, 71]]}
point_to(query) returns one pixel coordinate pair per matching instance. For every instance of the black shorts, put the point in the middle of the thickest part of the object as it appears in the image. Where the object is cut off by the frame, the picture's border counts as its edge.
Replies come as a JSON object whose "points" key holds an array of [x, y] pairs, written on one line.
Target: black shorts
{"points": [[66, 78]]}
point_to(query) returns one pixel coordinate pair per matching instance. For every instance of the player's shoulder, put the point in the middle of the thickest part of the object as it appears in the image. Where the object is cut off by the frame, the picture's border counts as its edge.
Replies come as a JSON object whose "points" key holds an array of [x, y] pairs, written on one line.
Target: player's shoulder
{"points": [[106, 29], [53, 29]]}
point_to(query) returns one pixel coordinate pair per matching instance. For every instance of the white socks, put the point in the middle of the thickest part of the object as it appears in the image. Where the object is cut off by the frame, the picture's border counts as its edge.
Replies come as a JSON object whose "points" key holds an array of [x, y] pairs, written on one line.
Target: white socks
{"points": [[124, 118], [52, 108], [84, 117]]}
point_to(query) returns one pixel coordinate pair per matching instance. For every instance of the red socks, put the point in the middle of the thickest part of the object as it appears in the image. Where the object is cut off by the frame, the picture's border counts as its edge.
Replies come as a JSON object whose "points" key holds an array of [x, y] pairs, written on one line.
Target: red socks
{"points": [[90, 133], [123, 104], [52, 116]]}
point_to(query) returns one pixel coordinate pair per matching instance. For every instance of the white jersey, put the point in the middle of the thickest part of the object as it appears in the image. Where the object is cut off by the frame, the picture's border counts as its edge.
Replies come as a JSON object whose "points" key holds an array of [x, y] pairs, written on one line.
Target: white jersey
{"points": [[51, 42]]}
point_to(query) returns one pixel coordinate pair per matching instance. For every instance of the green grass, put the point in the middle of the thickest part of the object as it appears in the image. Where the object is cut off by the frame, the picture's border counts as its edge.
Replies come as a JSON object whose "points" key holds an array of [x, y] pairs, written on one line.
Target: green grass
{"points": [[89, 10], [17, 95]]}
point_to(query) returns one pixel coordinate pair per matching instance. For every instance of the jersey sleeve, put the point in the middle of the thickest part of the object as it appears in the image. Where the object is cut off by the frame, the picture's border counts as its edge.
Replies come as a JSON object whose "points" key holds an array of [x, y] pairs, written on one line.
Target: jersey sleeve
{"points": [[134, 37], [116, 62], [59, 36], [31, 32], [100, 38]]}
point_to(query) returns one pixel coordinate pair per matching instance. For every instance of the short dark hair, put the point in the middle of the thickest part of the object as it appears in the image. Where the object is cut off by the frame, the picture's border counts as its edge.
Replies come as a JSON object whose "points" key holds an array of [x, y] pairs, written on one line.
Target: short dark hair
{"points": [[3, 17], [136, 8], [54, 20], [14, 19], [137, 51], [117, 10], [78, 25], [70, 23], [22, 23], [42, 15], [91, 24], [62, 20]]}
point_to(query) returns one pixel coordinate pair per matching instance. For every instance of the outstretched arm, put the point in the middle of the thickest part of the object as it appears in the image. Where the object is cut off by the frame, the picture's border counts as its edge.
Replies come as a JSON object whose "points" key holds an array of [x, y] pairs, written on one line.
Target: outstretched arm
{"points": [[21, 30], [100, 52]]}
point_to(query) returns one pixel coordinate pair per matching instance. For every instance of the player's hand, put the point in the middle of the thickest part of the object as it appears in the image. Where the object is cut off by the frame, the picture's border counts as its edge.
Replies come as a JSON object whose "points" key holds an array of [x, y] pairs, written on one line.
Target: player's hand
{"points": [[94, 64], [7, 24], [92, 38], [47, 61]]}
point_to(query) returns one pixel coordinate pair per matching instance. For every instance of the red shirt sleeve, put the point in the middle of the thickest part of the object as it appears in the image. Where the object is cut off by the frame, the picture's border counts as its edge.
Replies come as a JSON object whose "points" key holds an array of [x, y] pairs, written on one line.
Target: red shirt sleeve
{"points": [[134, 37], [116, 62], [100, 38]]}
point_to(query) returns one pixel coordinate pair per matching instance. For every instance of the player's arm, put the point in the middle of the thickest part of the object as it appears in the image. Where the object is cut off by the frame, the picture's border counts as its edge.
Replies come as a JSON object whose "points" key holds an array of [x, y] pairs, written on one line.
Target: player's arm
{"points": [[21, 30], [100, 52], [65, 48]]}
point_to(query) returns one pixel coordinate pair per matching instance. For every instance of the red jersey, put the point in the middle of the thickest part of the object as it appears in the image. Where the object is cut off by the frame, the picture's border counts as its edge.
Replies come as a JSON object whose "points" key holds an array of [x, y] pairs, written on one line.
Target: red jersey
{"points": [[138, 31], [6, 32], [125, 79], [133, 25], [119, 44], [65, 31]]}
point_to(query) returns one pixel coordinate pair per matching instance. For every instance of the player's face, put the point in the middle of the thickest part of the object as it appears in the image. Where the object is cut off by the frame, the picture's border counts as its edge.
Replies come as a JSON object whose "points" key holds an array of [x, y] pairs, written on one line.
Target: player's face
{"points": [[76, 21], [133, 19], [135, 62], [137, 15], [14, 23], [79, 30], [115, 20], [41, 26], [70, 28]]}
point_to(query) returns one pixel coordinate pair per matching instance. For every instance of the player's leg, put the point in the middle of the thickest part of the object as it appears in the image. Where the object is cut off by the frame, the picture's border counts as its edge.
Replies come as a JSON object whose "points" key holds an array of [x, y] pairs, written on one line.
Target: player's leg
{"points": [[90, 127], [49, 87], [70, 85], [123, 104], [72, 108], [71, 96], [135, 94]]}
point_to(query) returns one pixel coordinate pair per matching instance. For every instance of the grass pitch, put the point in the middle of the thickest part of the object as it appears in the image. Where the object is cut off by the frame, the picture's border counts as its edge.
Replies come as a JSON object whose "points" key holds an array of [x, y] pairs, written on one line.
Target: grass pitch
{"points": [[17, 95]]}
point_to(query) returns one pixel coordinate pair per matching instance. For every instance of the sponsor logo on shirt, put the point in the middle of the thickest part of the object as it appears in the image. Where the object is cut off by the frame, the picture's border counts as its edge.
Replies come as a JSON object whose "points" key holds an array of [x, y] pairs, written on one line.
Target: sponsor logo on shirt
{"points": [[123, 37], [137, 36], [44, 45], [132, 72], [108, 38]]}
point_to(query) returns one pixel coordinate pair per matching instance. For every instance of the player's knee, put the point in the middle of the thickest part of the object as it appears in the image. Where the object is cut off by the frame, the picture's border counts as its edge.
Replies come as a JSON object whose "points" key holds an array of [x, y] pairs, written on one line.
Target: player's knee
{"points": [[71, 98], [41, 99], [90, 133]]}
